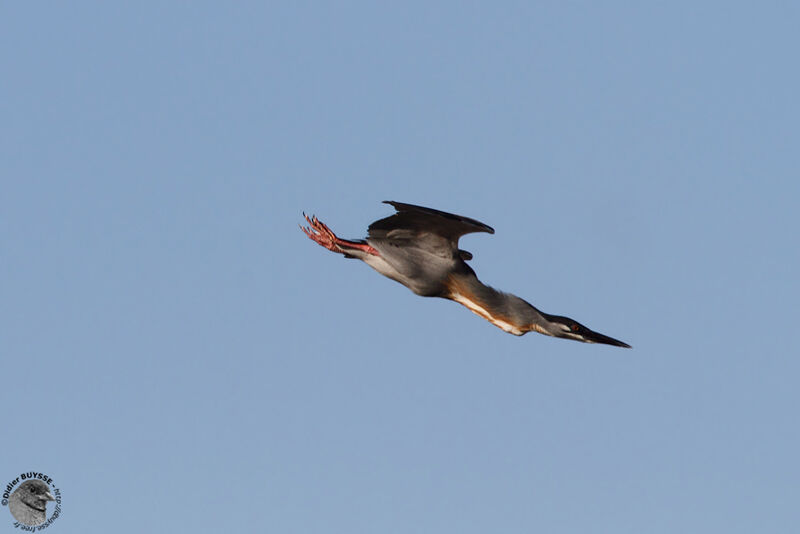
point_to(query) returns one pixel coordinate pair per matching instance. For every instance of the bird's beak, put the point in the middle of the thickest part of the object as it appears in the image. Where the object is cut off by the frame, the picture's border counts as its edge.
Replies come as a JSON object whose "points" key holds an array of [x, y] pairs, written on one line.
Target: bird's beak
{"points": [[48, 496], [595, 337]]}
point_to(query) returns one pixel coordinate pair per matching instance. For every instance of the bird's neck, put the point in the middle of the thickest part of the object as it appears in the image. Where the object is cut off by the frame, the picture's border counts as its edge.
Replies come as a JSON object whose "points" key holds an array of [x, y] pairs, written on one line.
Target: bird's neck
{"points": [[504, 310]]}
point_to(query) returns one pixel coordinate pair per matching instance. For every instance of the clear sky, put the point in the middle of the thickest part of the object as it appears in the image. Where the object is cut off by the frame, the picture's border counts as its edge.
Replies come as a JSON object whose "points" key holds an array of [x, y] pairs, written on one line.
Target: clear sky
{"points": [[178, 356]]}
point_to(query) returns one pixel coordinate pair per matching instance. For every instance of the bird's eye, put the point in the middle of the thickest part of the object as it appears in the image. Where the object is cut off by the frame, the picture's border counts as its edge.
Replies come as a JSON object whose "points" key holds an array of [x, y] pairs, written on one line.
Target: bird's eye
{"points": [[32, 489], [574, 328]]}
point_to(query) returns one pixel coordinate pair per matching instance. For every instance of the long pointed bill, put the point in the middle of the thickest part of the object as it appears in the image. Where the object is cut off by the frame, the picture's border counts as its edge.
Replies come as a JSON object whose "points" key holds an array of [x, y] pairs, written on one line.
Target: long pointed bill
{"points": [[595, 337]]}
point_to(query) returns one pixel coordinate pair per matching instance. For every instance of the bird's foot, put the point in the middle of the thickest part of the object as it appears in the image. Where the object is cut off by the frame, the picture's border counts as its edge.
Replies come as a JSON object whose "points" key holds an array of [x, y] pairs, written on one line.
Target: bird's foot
{"points": [[320, 233]]}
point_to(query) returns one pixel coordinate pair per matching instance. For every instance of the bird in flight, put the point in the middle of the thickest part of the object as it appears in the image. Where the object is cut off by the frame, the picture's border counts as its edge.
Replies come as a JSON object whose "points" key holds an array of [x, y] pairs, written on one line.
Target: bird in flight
{"points": [[418, 247]]}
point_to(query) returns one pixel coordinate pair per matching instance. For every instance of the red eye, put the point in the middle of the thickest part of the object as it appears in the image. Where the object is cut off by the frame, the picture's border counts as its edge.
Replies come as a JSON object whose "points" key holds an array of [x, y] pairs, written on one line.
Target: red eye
{"points": [[574, 328]]}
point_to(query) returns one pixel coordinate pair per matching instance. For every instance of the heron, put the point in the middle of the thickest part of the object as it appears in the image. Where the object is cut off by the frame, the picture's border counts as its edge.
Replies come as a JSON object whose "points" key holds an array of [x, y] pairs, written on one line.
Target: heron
{"points": [[418, 247]]}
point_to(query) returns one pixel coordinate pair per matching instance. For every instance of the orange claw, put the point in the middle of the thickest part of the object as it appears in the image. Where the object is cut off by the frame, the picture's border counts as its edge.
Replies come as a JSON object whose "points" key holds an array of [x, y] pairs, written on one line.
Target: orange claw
{"points": [[324, 236]]}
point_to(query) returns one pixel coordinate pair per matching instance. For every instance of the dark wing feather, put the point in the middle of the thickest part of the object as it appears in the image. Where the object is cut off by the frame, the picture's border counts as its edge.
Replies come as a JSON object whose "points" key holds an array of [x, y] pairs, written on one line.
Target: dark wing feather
{"points": [[411, 221]]}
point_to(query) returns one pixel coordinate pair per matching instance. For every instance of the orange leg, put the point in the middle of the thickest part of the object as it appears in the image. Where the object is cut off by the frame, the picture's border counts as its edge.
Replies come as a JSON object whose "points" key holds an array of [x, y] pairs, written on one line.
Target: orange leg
{"points": [[324, 236]]}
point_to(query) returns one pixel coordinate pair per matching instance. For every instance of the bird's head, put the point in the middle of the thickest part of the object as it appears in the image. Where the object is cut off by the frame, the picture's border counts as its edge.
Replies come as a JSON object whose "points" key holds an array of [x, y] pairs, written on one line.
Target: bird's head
{"points": [[571, 329], [35, 494]]}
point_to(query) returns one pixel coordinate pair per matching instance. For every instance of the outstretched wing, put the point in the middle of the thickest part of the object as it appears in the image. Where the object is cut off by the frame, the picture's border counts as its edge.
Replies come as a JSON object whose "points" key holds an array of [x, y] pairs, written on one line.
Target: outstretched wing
{"points": [[412, 221]]}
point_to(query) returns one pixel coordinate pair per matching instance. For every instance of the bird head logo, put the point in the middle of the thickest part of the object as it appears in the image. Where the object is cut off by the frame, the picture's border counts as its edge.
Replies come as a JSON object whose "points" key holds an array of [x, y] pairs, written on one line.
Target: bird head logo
{"points": [[28, 502]]}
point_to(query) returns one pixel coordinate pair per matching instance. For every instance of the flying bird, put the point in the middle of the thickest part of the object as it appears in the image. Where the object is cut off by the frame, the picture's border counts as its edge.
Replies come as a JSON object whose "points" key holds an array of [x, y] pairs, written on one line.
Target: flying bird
{"points": [[28, 504], [418, 247]]}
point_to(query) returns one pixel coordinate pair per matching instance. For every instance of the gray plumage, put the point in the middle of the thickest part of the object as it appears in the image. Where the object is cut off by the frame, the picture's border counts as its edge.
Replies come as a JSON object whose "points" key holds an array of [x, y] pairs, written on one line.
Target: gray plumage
{"points": [[28, 504], [418, 247]]}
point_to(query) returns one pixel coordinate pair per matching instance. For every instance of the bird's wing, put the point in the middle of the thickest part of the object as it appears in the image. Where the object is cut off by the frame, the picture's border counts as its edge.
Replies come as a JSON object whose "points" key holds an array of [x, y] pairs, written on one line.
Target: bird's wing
{"points": [[412, 222]]}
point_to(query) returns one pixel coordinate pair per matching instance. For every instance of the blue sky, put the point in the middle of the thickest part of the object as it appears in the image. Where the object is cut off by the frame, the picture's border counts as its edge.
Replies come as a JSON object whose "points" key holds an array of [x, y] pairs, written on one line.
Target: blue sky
{"points": [[177, 355]]}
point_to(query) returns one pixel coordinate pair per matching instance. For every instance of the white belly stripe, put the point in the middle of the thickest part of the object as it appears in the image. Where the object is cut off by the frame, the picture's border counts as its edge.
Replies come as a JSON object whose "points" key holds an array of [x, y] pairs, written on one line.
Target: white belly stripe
{"points": [[478, 310]]}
